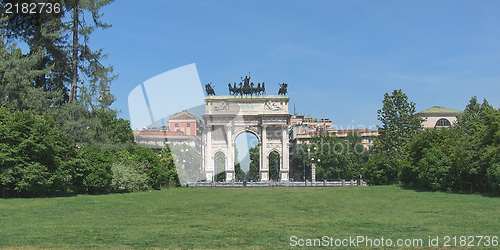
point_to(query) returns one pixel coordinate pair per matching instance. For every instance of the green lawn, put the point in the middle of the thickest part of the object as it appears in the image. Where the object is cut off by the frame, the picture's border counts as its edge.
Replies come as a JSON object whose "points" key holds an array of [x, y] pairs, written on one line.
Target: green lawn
{"points": [[244, 218]]}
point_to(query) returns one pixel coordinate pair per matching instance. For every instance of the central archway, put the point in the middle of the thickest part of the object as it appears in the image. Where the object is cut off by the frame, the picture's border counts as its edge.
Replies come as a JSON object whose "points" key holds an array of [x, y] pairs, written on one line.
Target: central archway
{"points": [[245, 144], [266, 117]]}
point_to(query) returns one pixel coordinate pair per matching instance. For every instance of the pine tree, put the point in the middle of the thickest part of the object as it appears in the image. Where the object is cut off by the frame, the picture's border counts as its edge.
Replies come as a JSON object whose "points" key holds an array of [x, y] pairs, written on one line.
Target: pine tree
{"points": [[84, 59]]}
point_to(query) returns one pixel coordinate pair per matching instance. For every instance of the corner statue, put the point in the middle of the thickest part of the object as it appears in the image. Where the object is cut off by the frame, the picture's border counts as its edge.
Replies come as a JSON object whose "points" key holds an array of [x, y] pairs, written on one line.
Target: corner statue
{"points": [[283, 88], [209, 89], [247, 88]]}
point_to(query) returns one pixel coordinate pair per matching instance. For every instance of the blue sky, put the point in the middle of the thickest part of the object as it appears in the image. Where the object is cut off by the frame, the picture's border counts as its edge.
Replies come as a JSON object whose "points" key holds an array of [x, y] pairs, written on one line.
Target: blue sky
{"points": [[338, 57]]}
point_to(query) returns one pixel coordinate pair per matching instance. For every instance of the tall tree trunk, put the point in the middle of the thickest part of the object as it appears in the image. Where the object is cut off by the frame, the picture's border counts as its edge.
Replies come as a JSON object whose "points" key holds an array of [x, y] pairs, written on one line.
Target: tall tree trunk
{"points": [[74, 77]]}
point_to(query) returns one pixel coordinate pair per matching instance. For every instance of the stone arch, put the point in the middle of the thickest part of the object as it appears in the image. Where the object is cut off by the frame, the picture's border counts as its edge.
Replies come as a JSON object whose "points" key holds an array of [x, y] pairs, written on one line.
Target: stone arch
{"points": [[240, 130], [214, 159], [266, 117], [280, 160]]}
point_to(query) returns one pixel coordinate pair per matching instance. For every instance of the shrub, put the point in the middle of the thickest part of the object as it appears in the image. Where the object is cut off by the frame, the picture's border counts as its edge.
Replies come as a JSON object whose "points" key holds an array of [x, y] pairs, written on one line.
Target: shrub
{"points": [[127, 177], [34, 154], [379, 170], [93, 170]]}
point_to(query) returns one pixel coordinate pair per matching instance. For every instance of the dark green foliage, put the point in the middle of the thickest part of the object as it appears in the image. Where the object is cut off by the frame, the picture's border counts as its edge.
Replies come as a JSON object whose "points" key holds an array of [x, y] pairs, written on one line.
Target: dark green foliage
{"points": [[399, 125], [160, 165], [274, 165], [253, 171], [339, 158], [238, 172], [432, 161], [467, 154], [39, 155], [93, 173], [379, 170], [100, 127], [34, 154]]}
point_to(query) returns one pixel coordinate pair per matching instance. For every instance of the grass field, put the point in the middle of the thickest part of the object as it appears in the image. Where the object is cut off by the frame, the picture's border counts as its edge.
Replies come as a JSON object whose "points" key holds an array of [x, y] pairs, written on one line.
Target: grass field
{"points": [[185, 218]]}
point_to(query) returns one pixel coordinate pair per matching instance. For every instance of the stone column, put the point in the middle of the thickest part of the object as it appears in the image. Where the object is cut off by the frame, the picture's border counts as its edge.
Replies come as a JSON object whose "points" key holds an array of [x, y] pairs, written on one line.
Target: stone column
{"points": [[264, 170], [209, 163], [230, 154], [284, 166]]}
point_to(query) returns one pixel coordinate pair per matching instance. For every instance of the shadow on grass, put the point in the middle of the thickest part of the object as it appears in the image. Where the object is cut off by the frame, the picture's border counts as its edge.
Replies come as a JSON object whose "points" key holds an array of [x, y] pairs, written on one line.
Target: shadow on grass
{"points": [[461, 192]]}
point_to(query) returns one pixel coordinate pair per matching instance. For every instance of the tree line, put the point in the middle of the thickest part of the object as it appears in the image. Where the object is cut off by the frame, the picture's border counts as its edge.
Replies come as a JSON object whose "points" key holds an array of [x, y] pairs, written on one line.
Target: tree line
{"points": [[58, 133], [465, 156]]}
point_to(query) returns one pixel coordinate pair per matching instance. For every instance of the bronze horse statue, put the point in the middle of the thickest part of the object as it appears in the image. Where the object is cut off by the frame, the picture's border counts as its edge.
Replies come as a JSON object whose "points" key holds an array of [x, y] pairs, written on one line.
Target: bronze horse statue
{"points": [[246, 88], [283, 89], [209, 89]]}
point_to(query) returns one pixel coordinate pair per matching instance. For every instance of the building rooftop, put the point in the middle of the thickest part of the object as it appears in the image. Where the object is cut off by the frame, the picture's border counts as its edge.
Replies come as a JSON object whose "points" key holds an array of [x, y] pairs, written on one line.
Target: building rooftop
{"points": [[439, 110]]}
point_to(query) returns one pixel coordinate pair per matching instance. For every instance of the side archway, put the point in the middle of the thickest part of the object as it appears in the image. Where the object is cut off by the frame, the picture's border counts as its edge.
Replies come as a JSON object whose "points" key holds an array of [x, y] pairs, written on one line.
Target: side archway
{"points": [[219, 163]]}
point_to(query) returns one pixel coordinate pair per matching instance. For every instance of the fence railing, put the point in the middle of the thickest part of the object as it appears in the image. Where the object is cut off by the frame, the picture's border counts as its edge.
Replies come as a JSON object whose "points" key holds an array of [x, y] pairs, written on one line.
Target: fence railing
{"points": [[307, 183]]}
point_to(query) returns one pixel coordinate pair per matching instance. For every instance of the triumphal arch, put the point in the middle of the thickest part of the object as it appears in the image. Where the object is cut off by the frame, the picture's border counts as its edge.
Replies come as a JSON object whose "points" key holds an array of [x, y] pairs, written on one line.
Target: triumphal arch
{"points": [[247, 109]]}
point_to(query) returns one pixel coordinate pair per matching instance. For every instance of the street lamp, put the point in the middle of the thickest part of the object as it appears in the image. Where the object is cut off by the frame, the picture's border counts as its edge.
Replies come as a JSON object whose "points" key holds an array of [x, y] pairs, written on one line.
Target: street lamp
{"points": [[304, 161], [184, 160], [313, 169]]}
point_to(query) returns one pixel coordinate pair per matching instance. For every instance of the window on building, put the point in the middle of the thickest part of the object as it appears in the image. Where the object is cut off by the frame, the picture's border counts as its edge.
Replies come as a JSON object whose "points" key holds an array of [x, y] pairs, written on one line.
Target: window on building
{"points": [[443, 123], [189, 125], [177, 125]]}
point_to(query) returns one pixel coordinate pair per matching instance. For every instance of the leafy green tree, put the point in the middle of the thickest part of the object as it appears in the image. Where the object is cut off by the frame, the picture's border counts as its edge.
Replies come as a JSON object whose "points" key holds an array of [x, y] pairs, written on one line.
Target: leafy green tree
{"points": [[187, 161], [339, 158], [253, 171], [82, 57], [239, 173], [299, 161], [160, 164], [274, 165], [34, 155], [431, 160], [378, 170], [399, 125], [129, 176], [469, 152], [92, 171]]}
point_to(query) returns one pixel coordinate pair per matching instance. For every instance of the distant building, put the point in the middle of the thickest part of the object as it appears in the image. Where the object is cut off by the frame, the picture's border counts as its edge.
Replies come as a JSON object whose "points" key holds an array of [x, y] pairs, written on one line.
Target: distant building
{"points": [[438, 117], [304, 128], [367, 135], [186, 123], [182, 128]]}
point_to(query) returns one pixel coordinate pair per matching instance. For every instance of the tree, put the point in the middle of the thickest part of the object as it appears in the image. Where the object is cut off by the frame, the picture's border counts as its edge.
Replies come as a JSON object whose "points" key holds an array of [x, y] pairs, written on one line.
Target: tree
{"points": [[340, 158], [432, 162], [35, 157], [220, 166], [238, 172], [17, 72], [82, 57], [187, 161], [92, 171], [399, 125], [274, 165], [43, 32], [468, 152], [37, 80], [253, 171]]}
